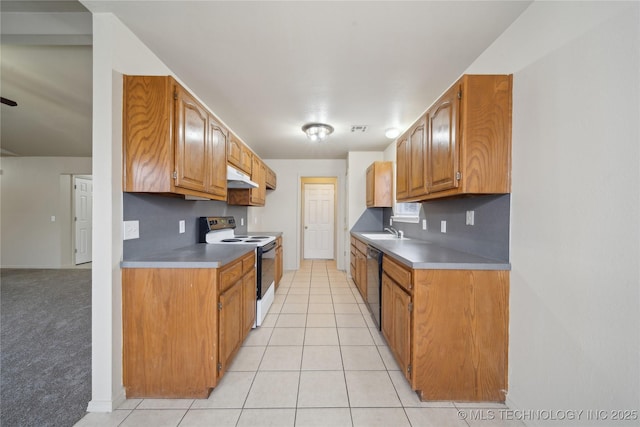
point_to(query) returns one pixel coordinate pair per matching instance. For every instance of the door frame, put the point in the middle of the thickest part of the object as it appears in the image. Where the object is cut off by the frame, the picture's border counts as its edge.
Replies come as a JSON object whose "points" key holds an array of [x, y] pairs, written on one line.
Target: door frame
{"points": [[332, 180]]}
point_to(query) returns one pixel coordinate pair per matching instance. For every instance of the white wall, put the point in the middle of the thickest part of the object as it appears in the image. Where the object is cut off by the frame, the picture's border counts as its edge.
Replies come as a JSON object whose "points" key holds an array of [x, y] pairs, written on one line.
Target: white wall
{"points": [[282, 211], [116, 51], [35, 189], [575, 283]]}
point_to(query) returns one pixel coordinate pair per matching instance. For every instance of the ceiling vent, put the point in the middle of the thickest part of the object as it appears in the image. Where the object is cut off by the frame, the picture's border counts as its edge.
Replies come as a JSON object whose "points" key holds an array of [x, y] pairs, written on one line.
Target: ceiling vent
{"points": [[358, 128]]}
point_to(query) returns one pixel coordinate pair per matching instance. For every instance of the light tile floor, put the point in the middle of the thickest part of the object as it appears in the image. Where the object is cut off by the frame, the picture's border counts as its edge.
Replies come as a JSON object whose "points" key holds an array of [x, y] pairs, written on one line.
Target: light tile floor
{"points": [[317, 360]]}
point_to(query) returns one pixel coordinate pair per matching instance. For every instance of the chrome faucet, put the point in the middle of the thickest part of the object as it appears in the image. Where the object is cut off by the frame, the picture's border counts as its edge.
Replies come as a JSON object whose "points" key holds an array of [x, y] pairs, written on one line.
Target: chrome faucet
{"points": [[393, 231]]}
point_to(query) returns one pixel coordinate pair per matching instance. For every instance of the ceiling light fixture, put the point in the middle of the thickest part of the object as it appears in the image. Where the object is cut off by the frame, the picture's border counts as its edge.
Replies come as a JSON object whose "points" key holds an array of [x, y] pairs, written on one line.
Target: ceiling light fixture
{"points": [[317, 131], [392, 133]]}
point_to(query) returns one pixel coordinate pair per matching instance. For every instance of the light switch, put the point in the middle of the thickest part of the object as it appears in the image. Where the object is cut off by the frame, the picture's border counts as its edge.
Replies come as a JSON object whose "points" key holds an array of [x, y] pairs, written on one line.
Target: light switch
{"points": [[241, 222], [470, 217], [443, 226], [181, 226], [131, 230], [53, 218]]}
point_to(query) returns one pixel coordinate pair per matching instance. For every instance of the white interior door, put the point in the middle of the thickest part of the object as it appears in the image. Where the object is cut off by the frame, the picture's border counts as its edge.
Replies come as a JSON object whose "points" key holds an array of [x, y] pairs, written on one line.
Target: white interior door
{"points": [[83, 195], [318, 221]]}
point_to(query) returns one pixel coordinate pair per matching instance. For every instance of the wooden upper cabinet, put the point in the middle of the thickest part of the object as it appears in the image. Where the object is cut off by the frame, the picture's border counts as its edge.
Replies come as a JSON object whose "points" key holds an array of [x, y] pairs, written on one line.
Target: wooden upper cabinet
{"points": [[217, 172], [442, 149], [234, 151], [238, 154], [380, 185], [168, 145], [271, 179], [417, 159], [402, 167], [191, 143], [258, 175], [466, 142], [246, 164], [411, 179]]}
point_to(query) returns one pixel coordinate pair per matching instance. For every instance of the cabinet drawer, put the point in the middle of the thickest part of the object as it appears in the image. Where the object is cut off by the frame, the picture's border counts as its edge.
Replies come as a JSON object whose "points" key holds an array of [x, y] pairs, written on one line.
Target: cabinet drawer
{"points": [[230, 275], [361, 246], [398, 272], [248, 262]]}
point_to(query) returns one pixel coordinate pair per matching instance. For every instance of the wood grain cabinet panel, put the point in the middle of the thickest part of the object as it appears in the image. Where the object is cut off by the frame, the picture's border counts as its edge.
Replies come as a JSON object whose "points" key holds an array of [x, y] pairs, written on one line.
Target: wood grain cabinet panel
{"points": [[171, 143], [396, 322], [271, 179], [417, 159], [379, 192], [359, 265], [452, 341], [182, 327], [402, 167], [462, 145], [170, 331]]}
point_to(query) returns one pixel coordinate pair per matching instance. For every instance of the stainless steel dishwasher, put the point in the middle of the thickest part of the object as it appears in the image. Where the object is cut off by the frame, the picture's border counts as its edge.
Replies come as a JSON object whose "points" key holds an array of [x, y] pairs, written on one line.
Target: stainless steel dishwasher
{"points": [[374, 283]]}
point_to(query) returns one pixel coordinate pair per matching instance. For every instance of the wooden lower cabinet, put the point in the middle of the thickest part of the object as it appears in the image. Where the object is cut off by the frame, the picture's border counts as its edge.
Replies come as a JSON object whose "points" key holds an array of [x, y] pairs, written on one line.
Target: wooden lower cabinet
{"points": [[396, 322], [449, 332], [359, 265], [183, 326], [279, 267]]}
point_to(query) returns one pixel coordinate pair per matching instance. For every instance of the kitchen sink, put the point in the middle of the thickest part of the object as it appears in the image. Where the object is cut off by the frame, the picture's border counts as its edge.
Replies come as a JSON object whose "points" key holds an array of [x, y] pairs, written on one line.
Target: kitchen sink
{"points": [[383, 236]]}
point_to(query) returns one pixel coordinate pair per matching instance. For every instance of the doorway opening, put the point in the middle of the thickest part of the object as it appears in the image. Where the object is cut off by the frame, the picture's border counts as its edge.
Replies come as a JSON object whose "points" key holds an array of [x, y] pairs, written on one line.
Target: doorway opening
{"points": [[318, 208]]}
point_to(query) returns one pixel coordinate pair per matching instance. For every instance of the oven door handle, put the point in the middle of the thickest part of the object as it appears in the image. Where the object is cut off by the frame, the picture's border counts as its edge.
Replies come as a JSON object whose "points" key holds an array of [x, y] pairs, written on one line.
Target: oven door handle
{"points": [[269, 247]]}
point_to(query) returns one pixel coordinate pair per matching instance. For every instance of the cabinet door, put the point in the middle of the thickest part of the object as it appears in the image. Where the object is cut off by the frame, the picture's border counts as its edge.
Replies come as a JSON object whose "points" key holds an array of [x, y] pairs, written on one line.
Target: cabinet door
{"points": [[362, 275], [402, 168], [217, 158], [387, 310], [246, 159], [249, 302], [370, 186], [442, 145], [234, 151], [417, 160], [191, 142], [396, 322], [258, 175], [402, 329], [230, 330]]}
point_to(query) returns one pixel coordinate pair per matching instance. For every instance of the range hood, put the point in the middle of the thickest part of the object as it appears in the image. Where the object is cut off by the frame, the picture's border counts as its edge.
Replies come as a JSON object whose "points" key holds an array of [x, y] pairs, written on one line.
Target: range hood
{"points": [[237, 179]]}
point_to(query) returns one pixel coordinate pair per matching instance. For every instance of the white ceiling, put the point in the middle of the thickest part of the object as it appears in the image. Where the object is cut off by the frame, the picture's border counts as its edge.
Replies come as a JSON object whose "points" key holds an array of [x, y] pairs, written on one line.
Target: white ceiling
{"points": [[266, 68]]}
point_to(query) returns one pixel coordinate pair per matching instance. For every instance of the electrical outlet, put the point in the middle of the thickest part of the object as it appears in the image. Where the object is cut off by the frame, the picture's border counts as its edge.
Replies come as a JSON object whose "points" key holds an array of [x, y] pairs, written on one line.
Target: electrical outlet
{"points": [[390, 222], [131, 230], [470, 217], [443, 226], [181, 226], [424, 224], [241, 222], [53, 218]]}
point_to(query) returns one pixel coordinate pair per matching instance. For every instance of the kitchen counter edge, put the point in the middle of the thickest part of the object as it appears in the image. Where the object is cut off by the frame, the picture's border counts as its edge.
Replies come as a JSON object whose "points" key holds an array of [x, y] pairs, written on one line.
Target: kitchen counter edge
{"points": [[200, 255], [424, 255]]}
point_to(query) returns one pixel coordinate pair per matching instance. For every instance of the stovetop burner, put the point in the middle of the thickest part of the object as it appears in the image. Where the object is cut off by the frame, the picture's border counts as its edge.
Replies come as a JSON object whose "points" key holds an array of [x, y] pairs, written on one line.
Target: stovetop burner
{"points": [[231, 240]]}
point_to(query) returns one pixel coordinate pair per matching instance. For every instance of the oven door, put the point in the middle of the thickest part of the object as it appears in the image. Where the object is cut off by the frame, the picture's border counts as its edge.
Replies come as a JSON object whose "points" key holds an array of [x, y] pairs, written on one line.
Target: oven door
{"points": [[266, 265]]}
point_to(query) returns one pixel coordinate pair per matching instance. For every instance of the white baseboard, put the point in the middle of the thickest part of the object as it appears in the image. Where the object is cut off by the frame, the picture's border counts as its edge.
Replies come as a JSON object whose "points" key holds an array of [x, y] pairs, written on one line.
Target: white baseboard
{"points": [[107, 405]]}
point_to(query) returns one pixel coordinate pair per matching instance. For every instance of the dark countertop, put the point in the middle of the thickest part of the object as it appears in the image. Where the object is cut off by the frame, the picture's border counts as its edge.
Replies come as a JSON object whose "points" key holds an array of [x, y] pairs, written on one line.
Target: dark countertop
{"points": [[422, 254], [200, 255]]}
